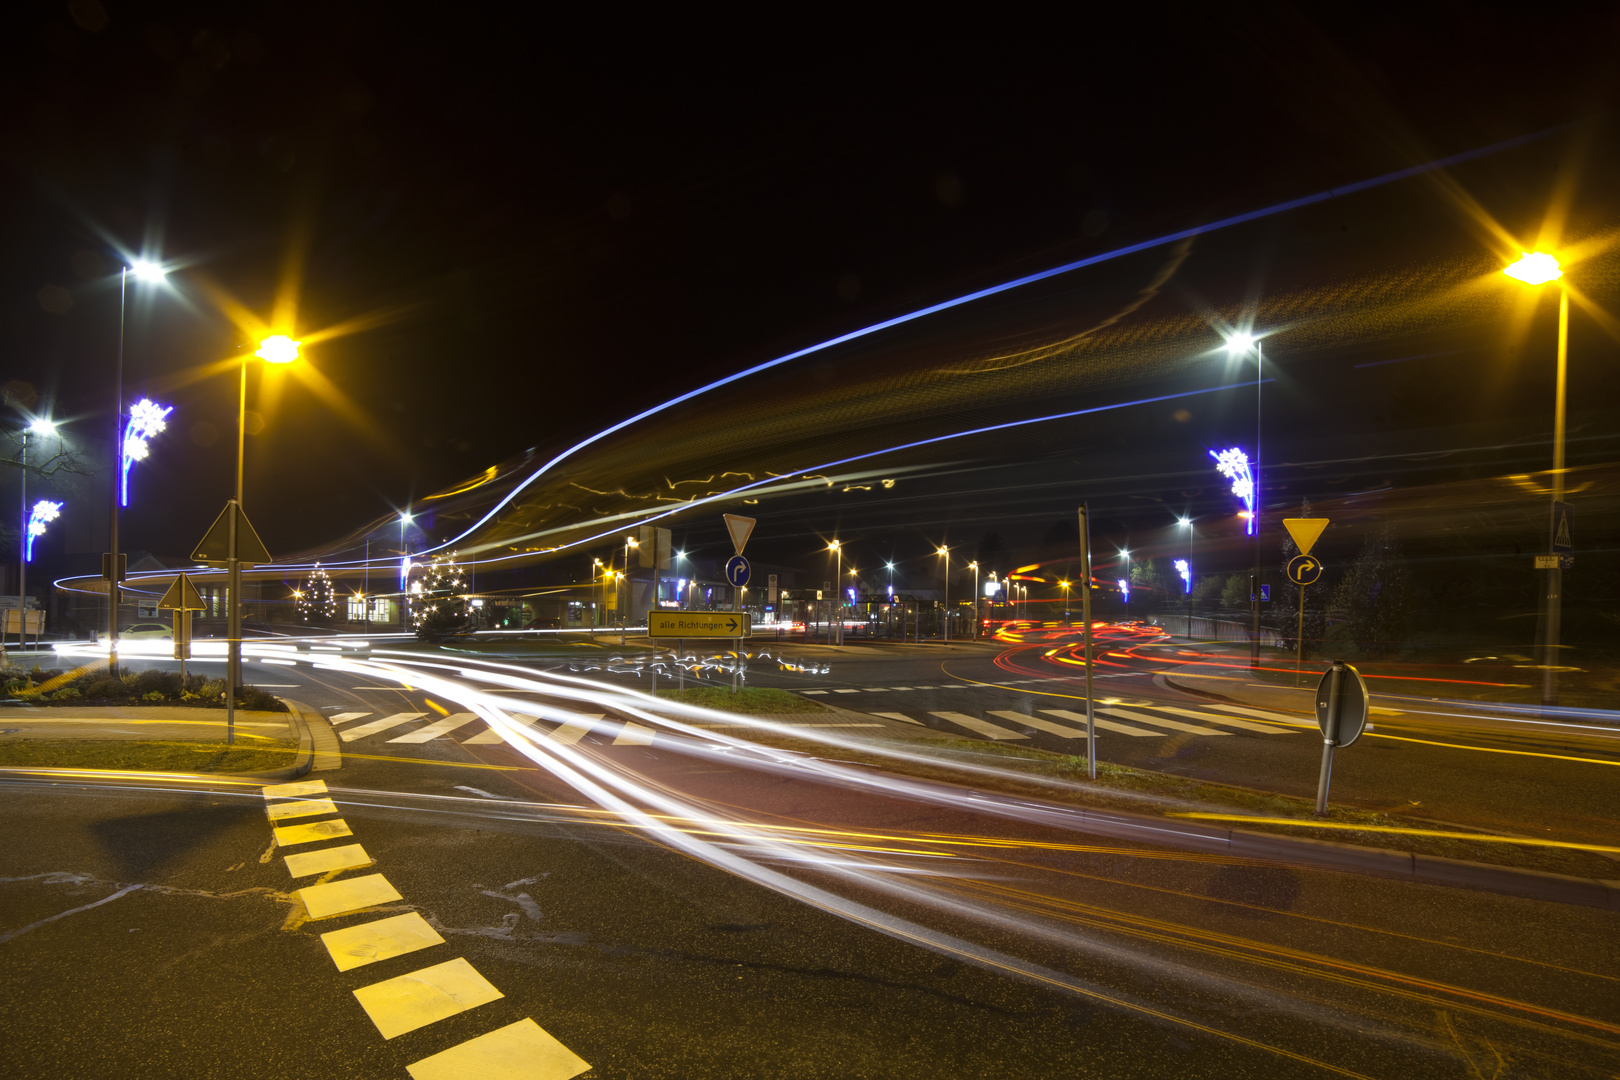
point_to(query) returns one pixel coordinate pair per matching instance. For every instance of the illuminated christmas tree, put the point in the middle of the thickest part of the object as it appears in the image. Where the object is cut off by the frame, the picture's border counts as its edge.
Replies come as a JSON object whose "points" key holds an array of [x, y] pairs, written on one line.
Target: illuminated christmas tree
{"points": [[438, 600], [317, 600]]}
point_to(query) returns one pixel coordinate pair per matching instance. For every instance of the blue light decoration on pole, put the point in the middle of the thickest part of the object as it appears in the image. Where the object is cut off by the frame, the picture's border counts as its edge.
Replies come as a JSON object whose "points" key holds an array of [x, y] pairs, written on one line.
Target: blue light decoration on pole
{"points": [[1234, 465], [44, 512], [146, 419], [1185, 570], [1124, 589]]}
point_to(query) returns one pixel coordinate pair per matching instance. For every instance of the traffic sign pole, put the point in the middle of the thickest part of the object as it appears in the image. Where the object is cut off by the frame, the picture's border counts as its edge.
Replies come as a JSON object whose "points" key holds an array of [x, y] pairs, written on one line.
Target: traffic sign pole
{"points": [[1335, 677], [1085, 618], [1342, 705], [1299, 642]]}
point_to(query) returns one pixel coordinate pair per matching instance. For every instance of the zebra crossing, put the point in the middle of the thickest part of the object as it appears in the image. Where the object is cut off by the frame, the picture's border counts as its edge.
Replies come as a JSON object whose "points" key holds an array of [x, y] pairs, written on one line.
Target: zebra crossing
{"points": [[956, 685], [1139, 721]]}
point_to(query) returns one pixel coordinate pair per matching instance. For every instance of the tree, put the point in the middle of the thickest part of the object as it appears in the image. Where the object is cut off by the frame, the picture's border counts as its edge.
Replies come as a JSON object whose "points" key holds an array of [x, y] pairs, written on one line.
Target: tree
{"points": [[438, 600], [1237, 591], [1207, 590], [1376, 596], [317, 600]]}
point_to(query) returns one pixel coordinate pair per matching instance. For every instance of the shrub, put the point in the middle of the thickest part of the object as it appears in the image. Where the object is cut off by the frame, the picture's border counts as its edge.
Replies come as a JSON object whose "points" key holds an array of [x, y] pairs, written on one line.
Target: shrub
{"points": [[166, 684], [69, 693], [107, 688], [254, 698], [153, 696]]}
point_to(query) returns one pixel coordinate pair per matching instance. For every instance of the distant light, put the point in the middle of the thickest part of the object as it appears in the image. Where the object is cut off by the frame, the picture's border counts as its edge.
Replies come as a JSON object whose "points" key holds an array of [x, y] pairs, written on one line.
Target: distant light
{"points": [[992, 587], [1240, 343], [278, 349], [943, 551], [405, 518], [147, 270], [889, 565], [44, 511], [146, 419], [1186, 521], [833, 546], [42, 426], [1535, 268]]}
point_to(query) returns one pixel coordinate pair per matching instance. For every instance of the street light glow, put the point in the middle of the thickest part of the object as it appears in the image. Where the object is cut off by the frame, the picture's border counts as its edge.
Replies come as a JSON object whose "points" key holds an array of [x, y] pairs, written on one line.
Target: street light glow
{"points": [[278, 349], [42, 426], [147, 270], [1535, 268], [1240, 343]]}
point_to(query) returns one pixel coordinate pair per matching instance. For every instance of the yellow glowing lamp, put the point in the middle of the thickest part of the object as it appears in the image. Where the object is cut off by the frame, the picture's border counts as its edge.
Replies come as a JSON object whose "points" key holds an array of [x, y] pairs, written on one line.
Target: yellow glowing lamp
{"points": [[1535, 268], [278, 349]]}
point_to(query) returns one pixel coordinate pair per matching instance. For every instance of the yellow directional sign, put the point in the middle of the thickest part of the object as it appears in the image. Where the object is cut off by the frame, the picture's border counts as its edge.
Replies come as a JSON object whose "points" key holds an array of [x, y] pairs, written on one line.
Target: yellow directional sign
{"points": [[182, 595], [699, 624], [1305, 531]]}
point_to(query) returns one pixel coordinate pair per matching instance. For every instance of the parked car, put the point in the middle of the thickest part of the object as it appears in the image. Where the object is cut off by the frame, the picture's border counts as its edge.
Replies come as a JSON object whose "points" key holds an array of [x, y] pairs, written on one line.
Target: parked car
{"points": [[147, 630]]}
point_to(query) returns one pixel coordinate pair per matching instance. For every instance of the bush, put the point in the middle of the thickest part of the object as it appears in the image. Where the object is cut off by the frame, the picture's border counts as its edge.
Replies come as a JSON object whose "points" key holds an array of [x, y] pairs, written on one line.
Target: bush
{"points": [[153, 696], [110, 689], [263, 701], [165, 684], [1236, 592], [70, 693]]}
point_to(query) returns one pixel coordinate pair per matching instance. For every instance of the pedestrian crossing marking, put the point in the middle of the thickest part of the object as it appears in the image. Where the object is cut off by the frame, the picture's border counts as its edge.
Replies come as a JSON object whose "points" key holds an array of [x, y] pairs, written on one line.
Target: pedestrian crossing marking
{"points": [[423, 997], [634, 735], [288, 835], [379, 725], [1102, 725], [1040, 724], [1264, 715], [1159, 721], [357, 946], [292, 791], [346, 857], [487, 737], [902, 717], [973, 723], [520, 1051], [812, 691], [281, 811], [345, 717], [902, 688], [849, 691], [350, 894], [877, 689], [1229, 721], [437, 728], [572, 730]]}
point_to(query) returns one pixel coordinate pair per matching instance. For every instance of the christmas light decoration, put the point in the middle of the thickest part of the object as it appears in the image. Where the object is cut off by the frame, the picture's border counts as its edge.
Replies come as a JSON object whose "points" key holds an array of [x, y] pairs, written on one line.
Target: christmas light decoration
{"points": [[44, 511], [146, 419], [317, 599], [1185, 570], [439, 594], [1234, 465]]}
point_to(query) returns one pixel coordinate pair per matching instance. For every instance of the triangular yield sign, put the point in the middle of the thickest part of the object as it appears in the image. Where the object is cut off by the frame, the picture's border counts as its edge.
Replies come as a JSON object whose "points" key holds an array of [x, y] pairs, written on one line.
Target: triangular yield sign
{"points": [[1305, 531], [183, 595], [740, 529], [215, 547], [1561, 538]]}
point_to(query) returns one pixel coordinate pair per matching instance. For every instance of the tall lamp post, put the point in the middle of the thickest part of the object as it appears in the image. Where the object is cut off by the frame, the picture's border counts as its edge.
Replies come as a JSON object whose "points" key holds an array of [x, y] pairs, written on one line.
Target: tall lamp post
{"points": [[974, 629], [838, 578], [25, 549], [1237, 345], [1064, 585], [1186, 578], [945, 553], [1539, 268]]}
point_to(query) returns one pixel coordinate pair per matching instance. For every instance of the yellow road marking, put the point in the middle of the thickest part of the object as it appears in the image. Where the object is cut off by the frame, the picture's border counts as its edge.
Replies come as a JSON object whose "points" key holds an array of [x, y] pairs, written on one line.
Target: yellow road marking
{"points": [[416, 1000], [327, 859], [288, 835], [1491, 749], [300, 808], [293, 791], [351, 894], [520, 1051], [634, 735], [357, 946], [1525, 841]]}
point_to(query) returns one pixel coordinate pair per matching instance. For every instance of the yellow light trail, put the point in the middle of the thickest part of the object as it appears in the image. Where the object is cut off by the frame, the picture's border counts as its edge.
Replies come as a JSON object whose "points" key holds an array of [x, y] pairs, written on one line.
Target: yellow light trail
{"points": [[1524, 841]]}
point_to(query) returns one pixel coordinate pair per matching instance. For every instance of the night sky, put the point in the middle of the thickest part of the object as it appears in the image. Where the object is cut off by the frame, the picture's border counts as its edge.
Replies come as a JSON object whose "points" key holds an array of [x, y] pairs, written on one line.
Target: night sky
{"points": [[536, 225]]}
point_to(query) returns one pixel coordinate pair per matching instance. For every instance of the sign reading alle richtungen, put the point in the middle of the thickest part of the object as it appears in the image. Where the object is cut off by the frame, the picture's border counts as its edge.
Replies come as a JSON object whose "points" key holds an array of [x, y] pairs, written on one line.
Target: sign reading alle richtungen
{"points": [[699, 624]]}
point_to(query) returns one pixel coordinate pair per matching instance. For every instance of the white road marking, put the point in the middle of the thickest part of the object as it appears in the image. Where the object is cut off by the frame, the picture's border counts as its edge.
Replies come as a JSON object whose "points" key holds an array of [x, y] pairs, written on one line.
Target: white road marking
{"points": [[416, 1000], [1229, 721], [437, 728], [357, 946], [571, 731], [520, 1051], [849, 691], [1040, 724], [1159, 721], [634, 735], [902, 717], [812, 691], [487, 737], [1102, 725], [973, 723], [1264, 715], [350, 894], [345, 717], [379, 725]]}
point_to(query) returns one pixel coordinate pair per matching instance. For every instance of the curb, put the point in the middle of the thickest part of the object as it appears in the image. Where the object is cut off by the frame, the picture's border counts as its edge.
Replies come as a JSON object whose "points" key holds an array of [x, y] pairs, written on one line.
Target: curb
{"points": [[326, 753]]}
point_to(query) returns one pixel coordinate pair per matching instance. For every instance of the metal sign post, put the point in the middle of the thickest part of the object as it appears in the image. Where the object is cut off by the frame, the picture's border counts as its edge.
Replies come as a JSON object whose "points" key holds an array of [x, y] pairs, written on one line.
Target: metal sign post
{"points": [[1085, 617], [1341, 714], [233, 543], [182, 598], [1303, 571]]}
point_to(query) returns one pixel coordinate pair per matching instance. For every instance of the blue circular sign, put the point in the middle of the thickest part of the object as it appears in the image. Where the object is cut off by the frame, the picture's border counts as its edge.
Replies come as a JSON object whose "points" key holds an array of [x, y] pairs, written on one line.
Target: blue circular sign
{"points": [[737, 571]]}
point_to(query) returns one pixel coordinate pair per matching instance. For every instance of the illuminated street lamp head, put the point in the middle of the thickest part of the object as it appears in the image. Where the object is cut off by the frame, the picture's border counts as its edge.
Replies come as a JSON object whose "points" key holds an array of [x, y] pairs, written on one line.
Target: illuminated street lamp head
{"points": [[943, 551], [833, 546], [1535, 268], [974, 565], [278, 349], [42, 426], [147, 270], [1240, 343]]}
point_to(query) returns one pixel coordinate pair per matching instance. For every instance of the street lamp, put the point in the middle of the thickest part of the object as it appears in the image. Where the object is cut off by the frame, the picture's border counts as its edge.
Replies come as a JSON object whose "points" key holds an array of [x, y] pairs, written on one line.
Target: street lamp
{"points": [[945, 553], [1185, 570], [974, 630], [38, 426], [1539, 268], [629, 542], [1064, 585], [838, 576]]}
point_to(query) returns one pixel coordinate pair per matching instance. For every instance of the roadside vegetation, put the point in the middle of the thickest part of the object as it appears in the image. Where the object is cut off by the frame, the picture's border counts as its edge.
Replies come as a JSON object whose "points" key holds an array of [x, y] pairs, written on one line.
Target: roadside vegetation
{"points": [[254, 755], [92, 686]]}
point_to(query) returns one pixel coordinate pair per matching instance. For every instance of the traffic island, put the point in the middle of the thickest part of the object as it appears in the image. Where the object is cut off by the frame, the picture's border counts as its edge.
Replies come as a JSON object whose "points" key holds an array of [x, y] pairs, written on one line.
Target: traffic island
{"points": [[155, 738]]}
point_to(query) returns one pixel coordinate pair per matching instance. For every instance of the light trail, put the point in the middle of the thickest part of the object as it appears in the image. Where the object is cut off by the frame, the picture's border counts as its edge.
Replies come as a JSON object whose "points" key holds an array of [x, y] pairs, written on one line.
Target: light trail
{"points": [[1484, 838]]}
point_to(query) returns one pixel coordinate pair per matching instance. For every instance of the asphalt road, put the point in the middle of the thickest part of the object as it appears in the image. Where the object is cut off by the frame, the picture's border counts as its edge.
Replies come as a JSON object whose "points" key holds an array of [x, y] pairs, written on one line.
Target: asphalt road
{"points": [[151, 928]]}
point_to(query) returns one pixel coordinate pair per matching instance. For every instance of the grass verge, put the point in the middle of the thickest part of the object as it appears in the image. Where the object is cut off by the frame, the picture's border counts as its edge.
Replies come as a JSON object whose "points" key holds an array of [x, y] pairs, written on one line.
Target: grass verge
{"points": [[1062, 778], [194, 757], [749, 701]]}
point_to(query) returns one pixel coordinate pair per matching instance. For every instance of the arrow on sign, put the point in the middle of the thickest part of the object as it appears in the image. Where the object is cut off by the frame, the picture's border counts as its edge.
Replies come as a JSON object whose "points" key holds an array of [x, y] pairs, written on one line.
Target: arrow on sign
{"points": [[732, 625]]}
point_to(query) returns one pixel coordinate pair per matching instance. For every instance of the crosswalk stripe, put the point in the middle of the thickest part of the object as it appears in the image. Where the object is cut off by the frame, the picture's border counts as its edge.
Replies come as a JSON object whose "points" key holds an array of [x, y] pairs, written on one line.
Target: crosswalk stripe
{"points": [[520, 1051], [1159, 721], [812, 691], [346, 857], [379, 725], [1264, 715], [357, 946], [634, 735], [902, 717], [850, 691], [1229, 721], [412, 1001], [1040, 724], [350, 894], [281, 811], [572, 730], [294, 790], [487, 737], [437, 728], [345, 717], [1102, 725], [288, 835], [973, 723]]}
